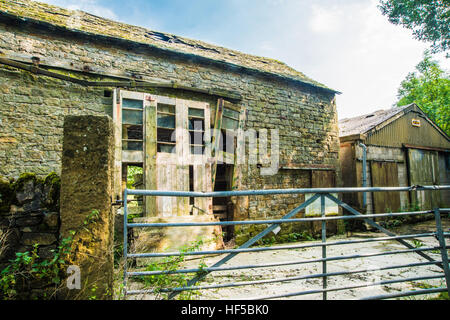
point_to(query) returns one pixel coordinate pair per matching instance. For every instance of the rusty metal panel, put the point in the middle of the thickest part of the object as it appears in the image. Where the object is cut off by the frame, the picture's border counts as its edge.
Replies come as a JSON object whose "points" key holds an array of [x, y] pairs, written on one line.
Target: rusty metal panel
{"points": [[424, 170], [405, 130], [385, 174]]}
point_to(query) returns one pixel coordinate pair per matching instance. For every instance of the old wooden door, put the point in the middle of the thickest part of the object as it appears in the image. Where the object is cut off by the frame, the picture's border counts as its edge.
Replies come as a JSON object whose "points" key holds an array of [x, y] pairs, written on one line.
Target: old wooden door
{"points": [[385, 174], [423, 170], [170, 138]]}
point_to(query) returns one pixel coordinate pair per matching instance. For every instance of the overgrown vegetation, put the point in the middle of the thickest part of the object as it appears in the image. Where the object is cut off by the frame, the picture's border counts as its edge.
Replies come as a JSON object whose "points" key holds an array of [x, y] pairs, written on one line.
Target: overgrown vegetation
{"points": [[29, 268], [428, 19], [429, 88], [9, 188], [131, 172], [424, 285], [286, 238], [161, 282], [397, 221]]}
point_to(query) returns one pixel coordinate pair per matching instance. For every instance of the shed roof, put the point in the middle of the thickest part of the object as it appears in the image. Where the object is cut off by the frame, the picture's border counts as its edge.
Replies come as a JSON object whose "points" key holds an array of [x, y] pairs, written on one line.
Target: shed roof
{"points": [[88, 24], [364, 123], [357, 127]]}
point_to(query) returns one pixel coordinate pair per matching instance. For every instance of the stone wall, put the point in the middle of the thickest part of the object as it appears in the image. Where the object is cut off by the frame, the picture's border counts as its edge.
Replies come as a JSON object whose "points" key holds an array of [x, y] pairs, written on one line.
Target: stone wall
{"points": [[29, 215], [31, 119], [76, 207], [33, 107]]}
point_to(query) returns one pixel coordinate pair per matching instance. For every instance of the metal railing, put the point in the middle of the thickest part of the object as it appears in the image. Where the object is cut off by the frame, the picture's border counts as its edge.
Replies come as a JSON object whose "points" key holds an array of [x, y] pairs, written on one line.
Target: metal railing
{"points": [[316, 193]]}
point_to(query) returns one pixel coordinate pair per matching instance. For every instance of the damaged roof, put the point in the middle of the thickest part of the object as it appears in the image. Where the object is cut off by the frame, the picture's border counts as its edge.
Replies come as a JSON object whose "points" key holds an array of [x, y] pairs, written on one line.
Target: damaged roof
{"points": [[88, 24], [365, 123]]}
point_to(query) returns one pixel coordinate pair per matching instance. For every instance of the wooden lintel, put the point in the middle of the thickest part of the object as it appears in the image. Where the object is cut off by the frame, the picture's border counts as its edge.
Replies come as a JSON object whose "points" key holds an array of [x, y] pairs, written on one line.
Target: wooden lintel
{"points": [[122, 80]]}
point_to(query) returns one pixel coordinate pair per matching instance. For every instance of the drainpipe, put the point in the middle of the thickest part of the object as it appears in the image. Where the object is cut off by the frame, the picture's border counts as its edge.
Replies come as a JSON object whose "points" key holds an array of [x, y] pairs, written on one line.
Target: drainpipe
{"points": [[364, 172]]}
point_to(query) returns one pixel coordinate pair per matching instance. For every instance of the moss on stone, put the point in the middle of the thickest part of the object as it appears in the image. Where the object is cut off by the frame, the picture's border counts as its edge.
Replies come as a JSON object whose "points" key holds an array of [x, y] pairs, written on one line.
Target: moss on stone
{"points": [[23, 179], [53, 183], [6, 195]]}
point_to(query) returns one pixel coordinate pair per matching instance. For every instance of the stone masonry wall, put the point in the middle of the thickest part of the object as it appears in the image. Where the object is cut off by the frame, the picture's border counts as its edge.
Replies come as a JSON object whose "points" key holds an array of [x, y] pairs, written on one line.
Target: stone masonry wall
{"points": [[29, 215], [33, 106], [31, 119]]}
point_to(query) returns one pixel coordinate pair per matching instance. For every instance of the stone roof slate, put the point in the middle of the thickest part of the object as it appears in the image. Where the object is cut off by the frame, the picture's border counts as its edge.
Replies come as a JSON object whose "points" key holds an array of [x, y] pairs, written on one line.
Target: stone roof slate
{"points": [[94, 25]]}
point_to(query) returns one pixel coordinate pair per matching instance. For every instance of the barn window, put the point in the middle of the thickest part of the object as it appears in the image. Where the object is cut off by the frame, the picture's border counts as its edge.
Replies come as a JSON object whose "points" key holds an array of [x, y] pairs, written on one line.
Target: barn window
{"points": [[132, 124], [196, 121], [166, 128]]}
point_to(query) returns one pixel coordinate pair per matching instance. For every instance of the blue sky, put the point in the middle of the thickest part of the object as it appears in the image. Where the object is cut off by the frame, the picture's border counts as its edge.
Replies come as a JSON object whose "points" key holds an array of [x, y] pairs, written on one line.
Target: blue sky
{"points": [[345, 44]]}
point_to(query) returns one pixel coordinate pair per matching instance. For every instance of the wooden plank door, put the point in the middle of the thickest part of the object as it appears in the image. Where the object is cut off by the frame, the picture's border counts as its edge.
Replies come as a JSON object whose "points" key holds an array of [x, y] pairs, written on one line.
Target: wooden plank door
{"points": [[423, 169], [385, 174]]}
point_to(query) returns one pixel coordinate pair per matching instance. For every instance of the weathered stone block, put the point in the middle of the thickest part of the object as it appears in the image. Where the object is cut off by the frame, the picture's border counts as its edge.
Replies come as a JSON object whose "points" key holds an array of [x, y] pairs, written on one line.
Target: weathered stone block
{"points": [[38, 238], [86, 195], [51, 219]]}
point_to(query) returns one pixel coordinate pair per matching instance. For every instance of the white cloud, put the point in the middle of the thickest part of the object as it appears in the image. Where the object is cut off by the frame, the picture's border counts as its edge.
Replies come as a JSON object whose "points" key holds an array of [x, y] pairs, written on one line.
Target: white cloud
{"points": [[326, 19], [354, 49]]}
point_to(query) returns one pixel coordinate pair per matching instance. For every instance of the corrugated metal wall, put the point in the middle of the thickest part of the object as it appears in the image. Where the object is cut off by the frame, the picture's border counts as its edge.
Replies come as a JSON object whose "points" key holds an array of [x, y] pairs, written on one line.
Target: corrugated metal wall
{"points": [[401, 131]]}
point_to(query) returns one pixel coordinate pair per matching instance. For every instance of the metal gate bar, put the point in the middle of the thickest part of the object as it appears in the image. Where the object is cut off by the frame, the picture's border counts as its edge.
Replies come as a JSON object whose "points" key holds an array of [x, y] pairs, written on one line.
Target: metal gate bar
{"points": [[287, 263], [376, 225], [321, 193]]}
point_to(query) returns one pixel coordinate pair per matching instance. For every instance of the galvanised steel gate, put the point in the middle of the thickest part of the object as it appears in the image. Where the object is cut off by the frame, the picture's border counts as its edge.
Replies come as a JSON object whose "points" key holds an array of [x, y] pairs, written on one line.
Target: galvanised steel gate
{"points": [[317, 193]]}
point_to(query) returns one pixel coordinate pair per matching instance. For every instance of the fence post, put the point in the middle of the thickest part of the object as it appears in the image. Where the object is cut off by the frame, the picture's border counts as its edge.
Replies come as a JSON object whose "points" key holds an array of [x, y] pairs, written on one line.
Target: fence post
{"points": [[125, 242], [86, 203], [442, 245], [324, 247]]}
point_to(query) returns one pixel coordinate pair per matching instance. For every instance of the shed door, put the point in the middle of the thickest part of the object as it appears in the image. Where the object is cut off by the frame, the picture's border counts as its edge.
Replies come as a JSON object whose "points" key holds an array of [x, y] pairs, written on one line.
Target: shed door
{"points": [[385, 174], [444, 178], [423, 170]]}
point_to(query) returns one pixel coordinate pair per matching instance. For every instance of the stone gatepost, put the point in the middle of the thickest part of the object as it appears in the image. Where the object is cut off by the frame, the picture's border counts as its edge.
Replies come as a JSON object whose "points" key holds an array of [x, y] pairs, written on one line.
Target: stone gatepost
{"points": [[86, 211]]}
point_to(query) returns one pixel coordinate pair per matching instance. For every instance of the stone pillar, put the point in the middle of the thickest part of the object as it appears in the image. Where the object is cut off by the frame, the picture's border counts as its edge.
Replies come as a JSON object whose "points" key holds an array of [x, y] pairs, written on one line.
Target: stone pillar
{"points": [[86, 195]]}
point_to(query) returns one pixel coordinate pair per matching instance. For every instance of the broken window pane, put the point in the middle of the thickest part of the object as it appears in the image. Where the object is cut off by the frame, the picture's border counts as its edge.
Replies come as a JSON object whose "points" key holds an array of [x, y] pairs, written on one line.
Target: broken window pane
{"points": [[132, 104], [166, 128], [196, 113], [132, 117], [167, 148], [231, 113], [196, 122], [132, 137], [166, 121], [231, 124], [166, 108]]}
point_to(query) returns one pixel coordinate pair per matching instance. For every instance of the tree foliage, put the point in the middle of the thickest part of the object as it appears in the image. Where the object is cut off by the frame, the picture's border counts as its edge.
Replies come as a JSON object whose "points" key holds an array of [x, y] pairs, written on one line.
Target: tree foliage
{"points": [[429, 88], [428, 19]]}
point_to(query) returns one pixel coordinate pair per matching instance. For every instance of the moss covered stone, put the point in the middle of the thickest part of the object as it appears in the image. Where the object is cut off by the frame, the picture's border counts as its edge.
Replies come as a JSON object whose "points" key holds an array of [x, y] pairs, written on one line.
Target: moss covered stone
{"points": [[52, 187], [29, 188], [6, 195]]}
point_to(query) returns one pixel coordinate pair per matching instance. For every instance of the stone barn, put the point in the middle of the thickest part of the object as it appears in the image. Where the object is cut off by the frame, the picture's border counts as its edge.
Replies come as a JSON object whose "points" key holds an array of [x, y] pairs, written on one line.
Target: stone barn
{"points": [[403, 147], [192, 115]]}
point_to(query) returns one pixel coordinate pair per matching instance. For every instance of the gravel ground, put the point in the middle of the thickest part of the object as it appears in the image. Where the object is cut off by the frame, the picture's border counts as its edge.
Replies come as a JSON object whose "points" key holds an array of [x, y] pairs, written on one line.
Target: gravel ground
{"points": [[285, 287]]}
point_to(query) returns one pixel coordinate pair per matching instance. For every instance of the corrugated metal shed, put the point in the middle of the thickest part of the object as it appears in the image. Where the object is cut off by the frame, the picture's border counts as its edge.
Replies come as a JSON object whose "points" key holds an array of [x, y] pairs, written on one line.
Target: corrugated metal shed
{"points": [[396, 127]]}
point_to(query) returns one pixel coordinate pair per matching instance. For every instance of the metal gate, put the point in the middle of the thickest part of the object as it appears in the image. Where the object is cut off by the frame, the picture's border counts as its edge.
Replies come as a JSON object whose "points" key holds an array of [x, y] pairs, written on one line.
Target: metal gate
{"points": [[322, 195]]}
